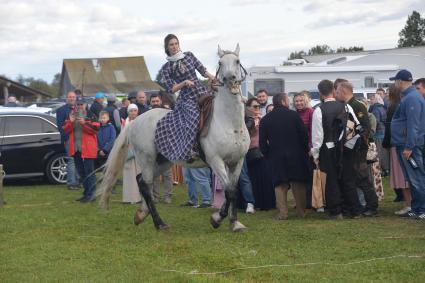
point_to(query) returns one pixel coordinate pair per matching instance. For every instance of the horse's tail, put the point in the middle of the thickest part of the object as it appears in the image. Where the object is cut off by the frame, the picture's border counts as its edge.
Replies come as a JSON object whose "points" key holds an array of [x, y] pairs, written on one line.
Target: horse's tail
{"points": [[114, 166]]}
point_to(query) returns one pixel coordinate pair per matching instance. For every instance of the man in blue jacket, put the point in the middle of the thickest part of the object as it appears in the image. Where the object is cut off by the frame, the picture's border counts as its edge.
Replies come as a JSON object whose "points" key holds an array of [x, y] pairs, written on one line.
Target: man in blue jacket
{"points": [[61, 115], [407, 134]]}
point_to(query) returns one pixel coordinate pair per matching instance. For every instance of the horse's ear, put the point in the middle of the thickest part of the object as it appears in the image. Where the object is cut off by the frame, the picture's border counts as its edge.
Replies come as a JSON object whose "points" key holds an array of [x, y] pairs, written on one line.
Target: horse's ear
{"points": [[237, 49], [220, 52]]}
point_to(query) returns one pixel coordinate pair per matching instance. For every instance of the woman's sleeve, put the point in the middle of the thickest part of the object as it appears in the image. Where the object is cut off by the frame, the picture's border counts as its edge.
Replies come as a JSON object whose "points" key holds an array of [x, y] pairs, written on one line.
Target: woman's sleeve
{"points": [[198, 65], [167, 80]]}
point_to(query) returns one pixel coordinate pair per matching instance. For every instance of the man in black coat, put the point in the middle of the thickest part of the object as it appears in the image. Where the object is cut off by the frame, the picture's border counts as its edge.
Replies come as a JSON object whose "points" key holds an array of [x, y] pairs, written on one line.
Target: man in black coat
{"points": [[284, 141]]}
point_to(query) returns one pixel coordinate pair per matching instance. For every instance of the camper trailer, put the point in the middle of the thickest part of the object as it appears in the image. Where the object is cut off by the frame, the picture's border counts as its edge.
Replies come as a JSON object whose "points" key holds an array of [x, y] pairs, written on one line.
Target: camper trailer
{"points": [[364, 69]]}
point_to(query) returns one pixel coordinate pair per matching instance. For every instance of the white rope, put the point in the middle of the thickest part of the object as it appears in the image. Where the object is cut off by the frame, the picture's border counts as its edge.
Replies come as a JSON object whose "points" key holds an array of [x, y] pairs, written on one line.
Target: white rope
{"points": [[195, 272]]}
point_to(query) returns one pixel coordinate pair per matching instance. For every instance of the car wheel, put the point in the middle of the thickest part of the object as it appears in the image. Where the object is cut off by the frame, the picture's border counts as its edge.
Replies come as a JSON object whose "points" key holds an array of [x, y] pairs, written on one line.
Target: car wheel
{"points": [[56, 169]]}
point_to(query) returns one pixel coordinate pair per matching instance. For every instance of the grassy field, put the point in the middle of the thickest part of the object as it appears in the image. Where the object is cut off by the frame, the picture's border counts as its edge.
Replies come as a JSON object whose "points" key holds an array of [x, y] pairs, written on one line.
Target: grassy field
{"points": [[46, 236]]}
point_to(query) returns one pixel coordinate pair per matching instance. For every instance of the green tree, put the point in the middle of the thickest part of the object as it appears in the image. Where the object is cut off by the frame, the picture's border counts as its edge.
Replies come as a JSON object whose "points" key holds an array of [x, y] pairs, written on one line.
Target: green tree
{"points": [[349, 49], [413, 33], [320, 49], [297, 55], [40, 84]]}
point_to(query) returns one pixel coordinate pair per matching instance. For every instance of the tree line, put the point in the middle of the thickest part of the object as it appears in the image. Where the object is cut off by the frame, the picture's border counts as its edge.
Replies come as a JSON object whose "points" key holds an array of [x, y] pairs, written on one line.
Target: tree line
{"points": [[413, 34]]}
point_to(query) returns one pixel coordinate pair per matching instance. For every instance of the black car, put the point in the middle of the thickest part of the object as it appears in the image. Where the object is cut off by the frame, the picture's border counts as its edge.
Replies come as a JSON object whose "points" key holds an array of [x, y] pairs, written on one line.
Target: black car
{"points": [[30, 146]]}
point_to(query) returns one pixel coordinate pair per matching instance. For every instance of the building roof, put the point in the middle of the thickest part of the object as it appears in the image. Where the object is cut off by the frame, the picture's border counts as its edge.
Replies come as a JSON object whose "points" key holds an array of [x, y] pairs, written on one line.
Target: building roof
{"points": [[110, 75], [22, 92], [418, 50]]}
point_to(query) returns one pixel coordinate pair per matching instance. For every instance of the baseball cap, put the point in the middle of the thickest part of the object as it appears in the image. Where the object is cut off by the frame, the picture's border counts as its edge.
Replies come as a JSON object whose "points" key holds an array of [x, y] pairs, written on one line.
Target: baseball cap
{"points": [[132, 94], [403, 75], [99, 95], [80, 100], [111, 97]]}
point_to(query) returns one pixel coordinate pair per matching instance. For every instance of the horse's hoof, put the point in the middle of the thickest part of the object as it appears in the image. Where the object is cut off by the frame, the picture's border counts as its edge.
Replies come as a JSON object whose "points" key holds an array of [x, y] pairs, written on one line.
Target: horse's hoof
{"points": [[238, 227], [163, 227], [139, 216], [215, 220]]}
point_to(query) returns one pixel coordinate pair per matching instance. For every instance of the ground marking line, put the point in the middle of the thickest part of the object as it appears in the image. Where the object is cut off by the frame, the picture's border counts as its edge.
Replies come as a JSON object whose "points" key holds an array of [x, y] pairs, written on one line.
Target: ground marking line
{"points": [[195, 272]]}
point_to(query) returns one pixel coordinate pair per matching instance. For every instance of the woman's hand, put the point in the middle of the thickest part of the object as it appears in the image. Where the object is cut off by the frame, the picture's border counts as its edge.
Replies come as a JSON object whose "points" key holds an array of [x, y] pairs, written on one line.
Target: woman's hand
{"points": [[188, 83]]}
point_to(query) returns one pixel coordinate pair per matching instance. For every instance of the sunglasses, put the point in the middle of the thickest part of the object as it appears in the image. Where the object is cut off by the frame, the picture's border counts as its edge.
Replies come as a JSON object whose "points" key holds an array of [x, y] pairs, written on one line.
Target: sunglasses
{"points": [[255, 106]]}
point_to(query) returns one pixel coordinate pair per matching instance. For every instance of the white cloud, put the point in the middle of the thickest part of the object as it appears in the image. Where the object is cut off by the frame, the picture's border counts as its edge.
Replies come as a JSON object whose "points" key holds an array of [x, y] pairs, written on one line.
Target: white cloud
{"points": [[37, 34]]}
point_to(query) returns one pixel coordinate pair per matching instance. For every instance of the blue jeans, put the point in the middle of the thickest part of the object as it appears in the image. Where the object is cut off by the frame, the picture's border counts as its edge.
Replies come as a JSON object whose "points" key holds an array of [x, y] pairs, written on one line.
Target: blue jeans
{"points": [[85, 166], [195, 178], [71, 172], [245, 185], [415, 177]]}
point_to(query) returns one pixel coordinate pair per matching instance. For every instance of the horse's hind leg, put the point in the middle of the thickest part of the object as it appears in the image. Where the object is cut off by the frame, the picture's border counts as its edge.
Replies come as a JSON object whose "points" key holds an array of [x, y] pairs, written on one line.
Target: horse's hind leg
{"points": [[144, 181]]}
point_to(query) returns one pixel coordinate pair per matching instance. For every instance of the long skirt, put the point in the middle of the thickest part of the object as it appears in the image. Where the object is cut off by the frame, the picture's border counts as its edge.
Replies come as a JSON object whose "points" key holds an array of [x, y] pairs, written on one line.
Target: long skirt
{"points": [[130, 189], [397, 179], [262, 186]]}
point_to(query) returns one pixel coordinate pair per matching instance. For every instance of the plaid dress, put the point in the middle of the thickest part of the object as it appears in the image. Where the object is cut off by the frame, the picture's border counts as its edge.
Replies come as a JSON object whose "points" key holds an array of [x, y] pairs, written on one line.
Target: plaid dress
{"points": [[175, 135]]}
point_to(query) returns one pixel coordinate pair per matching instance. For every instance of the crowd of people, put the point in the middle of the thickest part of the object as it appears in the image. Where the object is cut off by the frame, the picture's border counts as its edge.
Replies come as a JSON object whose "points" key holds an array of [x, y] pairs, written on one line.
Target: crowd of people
{"points": [[88, 134], [337, 137], [353, 142]]}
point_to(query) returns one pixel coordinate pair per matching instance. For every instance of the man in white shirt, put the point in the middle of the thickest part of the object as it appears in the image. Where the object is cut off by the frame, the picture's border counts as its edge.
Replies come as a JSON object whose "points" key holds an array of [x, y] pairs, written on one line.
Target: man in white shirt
{"points": [[328, 123]]}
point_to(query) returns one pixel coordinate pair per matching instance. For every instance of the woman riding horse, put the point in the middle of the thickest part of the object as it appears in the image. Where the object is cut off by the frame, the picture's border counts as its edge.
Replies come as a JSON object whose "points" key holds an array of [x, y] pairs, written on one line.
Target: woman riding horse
{"points": [[175, 135]]}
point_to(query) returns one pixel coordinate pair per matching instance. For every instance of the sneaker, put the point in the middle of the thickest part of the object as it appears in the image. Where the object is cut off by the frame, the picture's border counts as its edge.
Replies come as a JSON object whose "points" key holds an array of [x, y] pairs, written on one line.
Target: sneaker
{"points": [[167, 200], [204, 205], [421, 216], [370, 213], [189, 204], [409, 214], [321, 210], [250, 208], [73, 188], [403, 210]]}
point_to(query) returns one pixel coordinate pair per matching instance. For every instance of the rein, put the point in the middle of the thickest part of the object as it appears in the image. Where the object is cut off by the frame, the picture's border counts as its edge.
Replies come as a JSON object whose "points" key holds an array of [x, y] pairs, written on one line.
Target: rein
{"points": [[241, 67]]}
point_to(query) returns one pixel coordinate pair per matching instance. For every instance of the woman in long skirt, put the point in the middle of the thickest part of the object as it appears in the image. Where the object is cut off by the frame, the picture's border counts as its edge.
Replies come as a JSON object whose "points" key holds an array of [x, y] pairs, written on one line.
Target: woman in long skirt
{"points": [[130, 188], [175, 135]]}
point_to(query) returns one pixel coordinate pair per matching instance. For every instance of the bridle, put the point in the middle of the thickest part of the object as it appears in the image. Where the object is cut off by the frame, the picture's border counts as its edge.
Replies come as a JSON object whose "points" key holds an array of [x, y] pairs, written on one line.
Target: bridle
{"points": [[242, 71]]}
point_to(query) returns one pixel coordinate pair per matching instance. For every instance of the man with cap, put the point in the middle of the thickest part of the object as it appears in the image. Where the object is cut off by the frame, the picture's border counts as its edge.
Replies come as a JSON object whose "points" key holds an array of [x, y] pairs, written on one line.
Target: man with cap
{"points": [[82, 129], [407, 135], [131, 99], [97, 105], [114, 115]]}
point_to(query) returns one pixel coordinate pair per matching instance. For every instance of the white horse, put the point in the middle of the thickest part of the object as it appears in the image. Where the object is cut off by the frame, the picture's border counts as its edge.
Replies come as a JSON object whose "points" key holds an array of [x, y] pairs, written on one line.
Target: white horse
{"points": [[225, 146]]}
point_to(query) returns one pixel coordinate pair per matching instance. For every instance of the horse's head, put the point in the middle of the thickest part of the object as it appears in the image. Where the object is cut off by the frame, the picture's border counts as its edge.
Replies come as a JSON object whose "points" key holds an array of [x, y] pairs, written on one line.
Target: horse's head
{"points": [[230, 72]]}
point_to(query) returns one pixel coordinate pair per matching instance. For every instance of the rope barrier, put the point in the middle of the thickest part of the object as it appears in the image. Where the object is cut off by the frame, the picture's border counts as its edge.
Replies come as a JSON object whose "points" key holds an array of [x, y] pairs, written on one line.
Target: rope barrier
{"points": [[195, 272]]}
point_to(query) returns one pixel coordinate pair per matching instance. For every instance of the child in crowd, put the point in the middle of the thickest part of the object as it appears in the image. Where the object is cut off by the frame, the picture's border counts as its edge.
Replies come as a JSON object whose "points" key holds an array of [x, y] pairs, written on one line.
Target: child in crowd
{"points": [[105, 138]]}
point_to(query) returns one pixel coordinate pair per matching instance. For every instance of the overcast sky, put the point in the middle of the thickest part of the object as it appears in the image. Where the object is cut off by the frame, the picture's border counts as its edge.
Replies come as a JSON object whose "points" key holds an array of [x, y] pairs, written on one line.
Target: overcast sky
{"points": [[36, 35]]}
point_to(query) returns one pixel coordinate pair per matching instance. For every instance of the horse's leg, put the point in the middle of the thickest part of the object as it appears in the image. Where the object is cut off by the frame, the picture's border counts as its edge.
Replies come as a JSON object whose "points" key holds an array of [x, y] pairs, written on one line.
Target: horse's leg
{"points": [[232, 192], [144, 181]]}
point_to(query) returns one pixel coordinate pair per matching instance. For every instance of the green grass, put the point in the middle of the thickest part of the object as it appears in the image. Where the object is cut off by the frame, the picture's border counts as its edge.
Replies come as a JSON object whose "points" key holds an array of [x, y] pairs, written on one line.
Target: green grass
{"points": [[46, 236]]}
